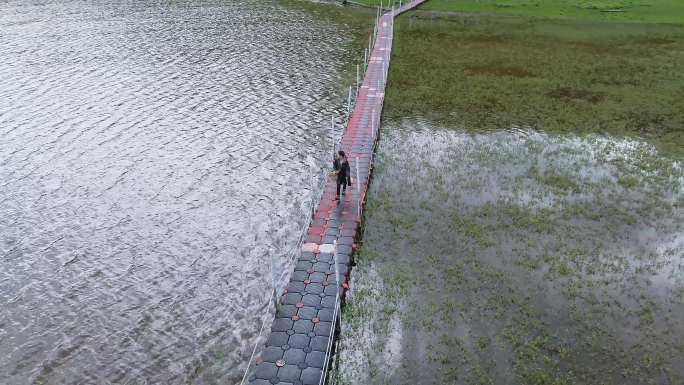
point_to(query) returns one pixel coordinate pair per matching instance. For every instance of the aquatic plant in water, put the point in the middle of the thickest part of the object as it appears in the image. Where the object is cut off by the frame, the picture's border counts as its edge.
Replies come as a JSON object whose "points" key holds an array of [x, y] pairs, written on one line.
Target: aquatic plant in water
{"points": [[517, 257]]}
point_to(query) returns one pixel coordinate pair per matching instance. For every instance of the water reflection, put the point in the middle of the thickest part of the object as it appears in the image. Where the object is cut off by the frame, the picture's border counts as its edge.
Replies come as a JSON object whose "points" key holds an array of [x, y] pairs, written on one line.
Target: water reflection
{"points": [[153, 157]]}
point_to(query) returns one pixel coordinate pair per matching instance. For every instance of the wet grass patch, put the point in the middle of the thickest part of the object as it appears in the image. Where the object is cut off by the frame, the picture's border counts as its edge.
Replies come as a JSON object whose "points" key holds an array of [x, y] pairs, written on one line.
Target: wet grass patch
{"points": [[558, 181], [569, 94], [498, 70], [517, 258]]}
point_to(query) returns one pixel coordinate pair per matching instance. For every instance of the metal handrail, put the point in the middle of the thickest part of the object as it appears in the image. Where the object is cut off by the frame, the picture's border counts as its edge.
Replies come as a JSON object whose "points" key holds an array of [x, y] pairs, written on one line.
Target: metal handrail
{"points": [[375, 130], [273, 297]]}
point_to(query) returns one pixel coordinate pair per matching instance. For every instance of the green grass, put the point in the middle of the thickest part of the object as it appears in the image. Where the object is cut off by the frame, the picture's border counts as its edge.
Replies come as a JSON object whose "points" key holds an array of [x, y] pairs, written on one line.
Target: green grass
{"points": [[494, 257], [493, 72], [527, 266], [661, 11], [558, 181]]}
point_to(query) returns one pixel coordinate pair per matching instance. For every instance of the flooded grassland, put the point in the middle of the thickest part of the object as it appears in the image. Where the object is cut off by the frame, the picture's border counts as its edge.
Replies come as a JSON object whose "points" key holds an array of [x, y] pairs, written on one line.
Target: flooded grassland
{"points": [[552, 254], [516, 257]]}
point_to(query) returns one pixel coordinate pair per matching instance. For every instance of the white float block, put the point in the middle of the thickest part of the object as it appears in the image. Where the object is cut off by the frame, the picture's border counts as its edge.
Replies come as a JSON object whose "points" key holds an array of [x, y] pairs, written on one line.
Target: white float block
{"points": [[326, 248], [310, 248]]}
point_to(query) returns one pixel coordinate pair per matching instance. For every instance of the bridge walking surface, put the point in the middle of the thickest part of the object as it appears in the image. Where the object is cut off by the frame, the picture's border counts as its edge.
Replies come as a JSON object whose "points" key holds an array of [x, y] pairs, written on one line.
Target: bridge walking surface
{"points": [[299, 347]]}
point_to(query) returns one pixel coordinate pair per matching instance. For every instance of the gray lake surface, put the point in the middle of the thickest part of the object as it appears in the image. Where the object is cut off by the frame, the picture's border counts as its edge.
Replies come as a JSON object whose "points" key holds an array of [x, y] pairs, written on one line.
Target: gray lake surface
{"points": [[154, 158]]}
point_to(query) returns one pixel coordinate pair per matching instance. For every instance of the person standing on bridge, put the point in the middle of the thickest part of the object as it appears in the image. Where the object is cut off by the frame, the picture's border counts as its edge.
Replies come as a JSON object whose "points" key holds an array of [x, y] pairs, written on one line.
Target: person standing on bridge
{"points": [[343, 173]]}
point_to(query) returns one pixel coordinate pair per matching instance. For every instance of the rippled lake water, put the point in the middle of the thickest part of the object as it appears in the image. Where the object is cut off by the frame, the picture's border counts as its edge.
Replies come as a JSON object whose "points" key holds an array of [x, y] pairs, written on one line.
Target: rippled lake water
{"points": [[154, 156]]}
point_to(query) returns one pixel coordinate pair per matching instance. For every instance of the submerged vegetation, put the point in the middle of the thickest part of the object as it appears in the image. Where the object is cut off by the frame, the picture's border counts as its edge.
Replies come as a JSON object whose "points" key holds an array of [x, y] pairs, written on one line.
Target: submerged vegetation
{"points": [[517, 258], [527, 228]]}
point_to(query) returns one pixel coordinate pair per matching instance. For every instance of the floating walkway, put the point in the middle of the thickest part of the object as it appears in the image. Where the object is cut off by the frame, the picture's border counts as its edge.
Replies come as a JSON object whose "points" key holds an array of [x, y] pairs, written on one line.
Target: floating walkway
{"points": [[300, 344]]}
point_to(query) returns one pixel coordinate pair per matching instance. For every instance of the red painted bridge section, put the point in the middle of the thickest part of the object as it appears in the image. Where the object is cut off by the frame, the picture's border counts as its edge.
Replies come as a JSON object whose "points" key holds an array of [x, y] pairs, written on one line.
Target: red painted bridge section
{"points": [[299, 346]]}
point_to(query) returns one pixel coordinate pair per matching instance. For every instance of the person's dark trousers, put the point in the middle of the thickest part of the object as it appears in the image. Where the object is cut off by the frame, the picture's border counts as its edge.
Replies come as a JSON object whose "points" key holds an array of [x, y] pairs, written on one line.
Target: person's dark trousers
{"points": [[344, 187]]}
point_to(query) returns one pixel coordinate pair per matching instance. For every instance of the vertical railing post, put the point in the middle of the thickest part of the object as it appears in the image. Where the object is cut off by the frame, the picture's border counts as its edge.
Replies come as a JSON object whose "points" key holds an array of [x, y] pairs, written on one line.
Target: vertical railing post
{"points": [[377, 20], [313, 187], [337, 267], [358, 190], [273, 276], [385, 71], [337, 279], [392, 26], [375, 28], [332, 133]]}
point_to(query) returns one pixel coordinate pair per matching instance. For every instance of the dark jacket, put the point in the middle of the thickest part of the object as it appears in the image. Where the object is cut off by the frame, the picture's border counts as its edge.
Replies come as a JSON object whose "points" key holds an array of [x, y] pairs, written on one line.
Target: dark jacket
{"points": [[343, 172]]}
